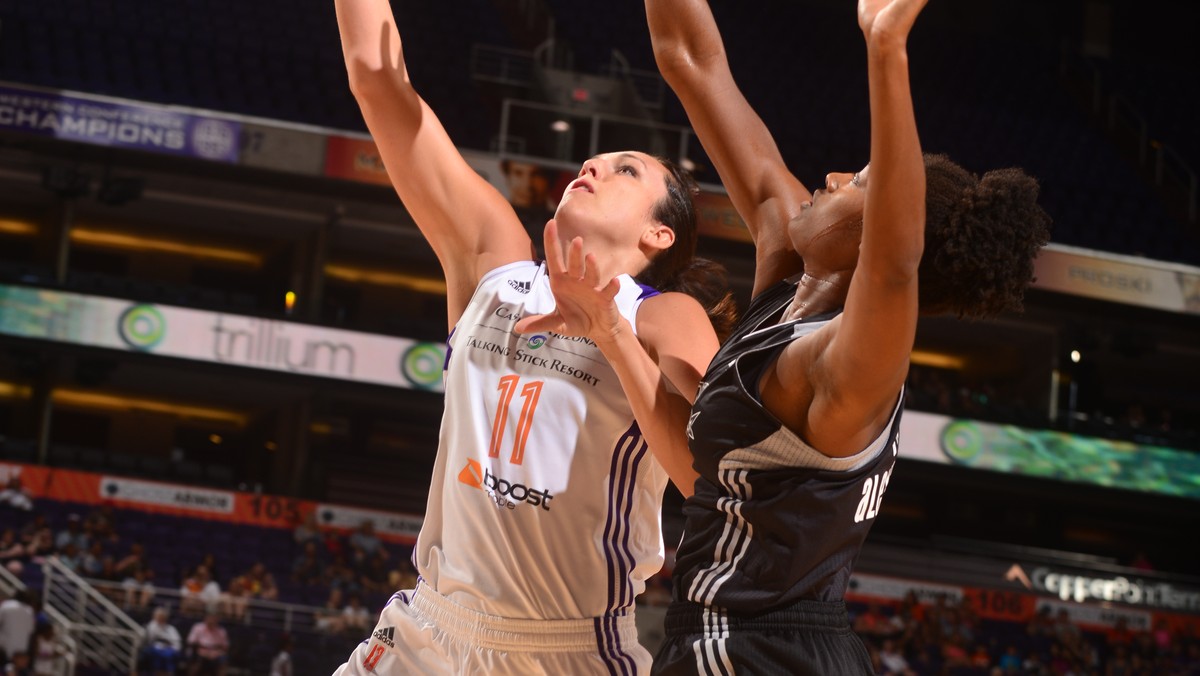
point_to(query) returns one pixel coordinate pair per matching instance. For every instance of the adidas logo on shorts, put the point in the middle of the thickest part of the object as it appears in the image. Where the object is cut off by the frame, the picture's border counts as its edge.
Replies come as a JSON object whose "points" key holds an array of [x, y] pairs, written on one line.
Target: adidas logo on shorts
{"points": [[386, 636], [522, 287]]}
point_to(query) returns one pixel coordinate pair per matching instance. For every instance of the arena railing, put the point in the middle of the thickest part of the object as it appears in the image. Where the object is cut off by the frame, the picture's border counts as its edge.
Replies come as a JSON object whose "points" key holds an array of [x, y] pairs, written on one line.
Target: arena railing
{"points": [[105, 636], [9, 585]]}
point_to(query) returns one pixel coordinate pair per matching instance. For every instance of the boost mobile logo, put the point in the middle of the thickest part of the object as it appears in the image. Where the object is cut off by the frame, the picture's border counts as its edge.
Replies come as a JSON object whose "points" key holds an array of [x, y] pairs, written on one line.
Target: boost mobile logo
{"points": [[142, 327], [505, 493]]}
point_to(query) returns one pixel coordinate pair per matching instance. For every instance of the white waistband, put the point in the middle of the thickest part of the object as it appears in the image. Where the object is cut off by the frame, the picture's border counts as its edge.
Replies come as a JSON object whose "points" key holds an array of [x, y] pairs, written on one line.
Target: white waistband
{"points": [[516, 634]]}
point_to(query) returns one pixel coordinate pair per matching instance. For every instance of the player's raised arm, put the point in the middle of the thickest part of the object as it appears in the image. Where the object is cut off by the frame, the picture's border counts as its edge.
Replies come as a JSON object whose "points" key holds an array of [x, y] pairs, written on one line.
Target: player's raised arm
{"points": [[469, 224], [691, 57]]}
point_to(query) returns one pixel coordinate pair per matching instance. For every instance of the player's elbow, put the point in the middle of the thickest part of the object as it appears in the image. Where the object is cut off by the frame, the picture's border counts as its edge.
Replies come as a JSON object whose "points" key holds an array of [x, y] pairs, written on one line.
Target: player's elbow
{"points": [[369, 81], [679, 61]]}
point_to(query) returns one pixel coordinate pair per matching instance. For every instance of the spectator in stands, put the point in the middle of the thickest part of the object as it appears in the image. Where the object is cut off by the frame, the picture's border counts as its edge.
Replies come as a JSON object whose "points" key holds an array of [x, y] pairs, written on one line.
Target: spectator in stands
{"points": [[1060, 662], [139, 589], [101, 522], [375, 573], [958, 621], [892, 660], [404, 576], [1041, 627], [17, 623], [1064, 629], [331, 617], [1162, 635], [235, 598], [93, 564], [307, 530], [355, 617], [208, 643], [307, 568], [363, 542], [342, 576], [34, 527], [255, 584], [209, 561], [163, 643], [872, 622], [1119, 662], [261, 583], [48, 653], [131, 563], [335, 545], [18, 665], [70, 557], [39, 544], [11, 551], [980, 658], [14, 495], [72, 534], [200, 593], [954, 653], [1010, 661], [281, 665]]}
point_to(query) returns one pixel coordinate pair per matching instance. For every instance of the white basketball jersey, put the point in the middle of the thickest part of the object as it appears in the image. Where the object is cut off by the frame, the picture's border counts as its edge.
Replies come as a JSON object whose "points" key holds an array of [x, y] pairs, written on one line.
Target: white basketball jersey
{"points": [[545, 501]]}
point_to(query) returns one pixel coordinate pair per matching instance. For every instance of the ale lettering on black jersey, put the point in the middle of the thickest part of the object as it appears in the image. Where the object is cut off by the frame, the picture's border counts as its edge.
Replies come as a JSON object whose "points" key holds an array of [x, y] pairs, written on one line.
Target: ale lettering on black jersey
{"points": [[872, 496]]}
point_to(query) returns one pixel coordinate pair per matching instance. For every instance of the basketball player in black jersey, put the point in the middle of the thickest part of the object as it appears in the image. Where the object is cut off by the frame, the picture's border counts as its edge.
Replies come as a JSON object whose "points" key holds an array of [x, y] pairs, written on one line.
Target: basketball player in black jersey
{"points": [[793, 433]]}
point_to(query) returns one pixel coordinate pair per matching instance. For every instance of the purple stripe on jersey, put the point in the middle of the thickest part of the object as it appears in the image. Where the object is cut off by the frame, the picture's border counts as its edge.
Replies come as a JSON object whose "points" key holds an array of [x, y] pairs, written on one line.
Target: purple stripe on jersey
{"points": [[627, 589], [647, 291], [446, 364], [627, 456], [620, 559], [610, 653]]}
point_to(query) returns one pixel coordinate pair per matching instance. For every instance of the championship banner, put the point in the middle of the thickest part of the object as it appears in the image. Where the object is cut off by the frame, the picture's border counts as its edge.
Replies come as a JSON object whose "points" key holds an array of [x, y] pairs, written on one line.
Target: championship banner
{"points": [[234, 340], [247, 509], [1049, 454], [102, 121], [1121, 279]]}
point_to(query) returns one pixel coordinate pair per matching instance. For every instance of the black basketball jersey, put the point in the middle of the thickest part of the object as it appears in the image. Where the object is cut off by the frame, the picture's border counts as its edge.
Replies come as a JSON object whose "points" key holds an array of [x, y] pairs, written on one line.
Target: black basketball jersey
{"points": [[773, 521]]}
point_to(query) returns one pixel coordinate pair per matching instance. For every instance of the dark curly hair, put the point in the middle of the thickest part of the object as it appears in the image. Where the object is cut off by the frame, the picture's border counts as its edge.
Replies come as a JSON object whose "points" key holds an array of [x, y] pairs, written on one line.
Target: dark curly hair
{"points": [[677, 268], [981, 237]]}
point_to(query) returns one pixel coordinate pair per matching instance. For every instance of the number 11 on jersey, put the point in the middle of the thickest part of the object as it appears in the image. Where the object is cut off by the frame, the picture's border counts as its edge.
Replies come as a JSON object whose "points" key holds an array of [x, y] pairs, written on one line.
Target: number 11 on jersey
{"points": [[530, 393]]}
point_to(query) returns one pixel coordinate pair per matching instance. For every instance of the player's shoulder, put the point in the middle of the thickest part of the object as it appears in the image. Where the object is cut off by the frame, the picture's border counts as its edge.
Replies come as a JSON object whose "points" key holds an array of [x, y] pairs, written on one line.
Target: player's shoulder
{"points": [[671, 317]]}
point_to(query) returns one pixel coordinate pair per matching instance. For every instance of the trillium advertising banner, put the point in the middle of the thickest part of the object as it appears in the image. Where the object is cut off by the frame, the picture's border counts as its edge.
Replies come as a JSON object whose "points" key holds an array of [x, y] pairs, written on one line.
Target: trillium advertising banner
{"points": [[235, 340]]}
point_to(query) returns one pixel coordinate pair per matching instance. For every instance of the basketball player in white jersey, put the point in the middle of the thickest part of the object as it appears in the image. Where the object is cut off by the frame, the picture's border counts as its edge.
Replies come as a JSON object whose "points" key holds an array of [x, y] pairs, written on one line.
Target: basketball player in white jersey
{"points": [[543, 516]]}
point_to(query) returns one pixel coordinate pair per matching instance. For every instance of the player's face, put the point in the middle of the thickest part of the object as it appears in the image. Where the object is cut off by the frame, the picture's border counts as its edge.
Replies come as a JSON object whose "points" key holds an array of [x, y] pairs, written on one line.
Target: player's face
{"points": [[611, 202], [828, 229]]}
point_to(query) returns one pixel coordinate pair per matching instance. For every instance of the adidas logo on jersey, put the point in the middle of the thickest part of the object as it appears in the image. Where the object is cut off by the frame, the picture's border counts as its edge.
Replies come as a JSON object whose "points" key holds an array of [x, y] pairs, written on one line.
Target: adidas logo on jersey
{"points": [[521, 287], [386, 636]]}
